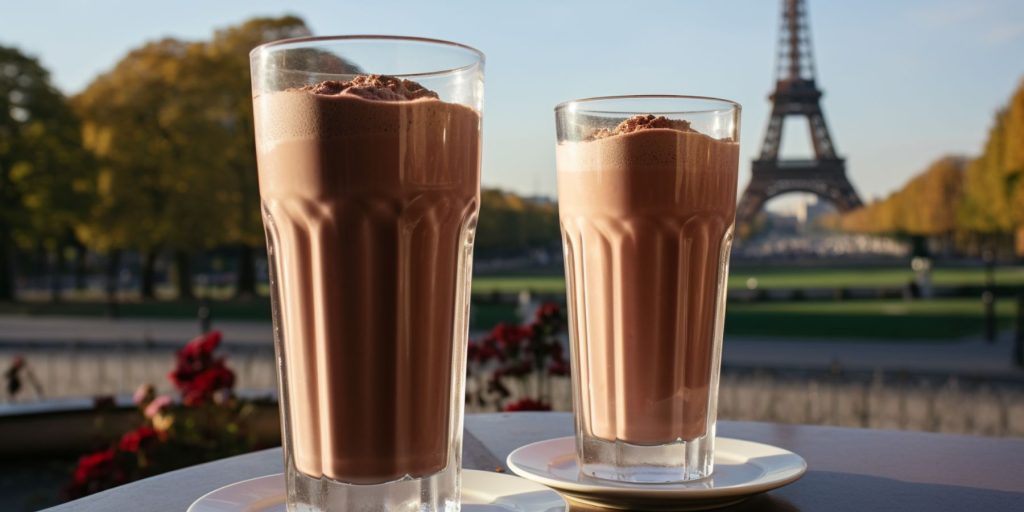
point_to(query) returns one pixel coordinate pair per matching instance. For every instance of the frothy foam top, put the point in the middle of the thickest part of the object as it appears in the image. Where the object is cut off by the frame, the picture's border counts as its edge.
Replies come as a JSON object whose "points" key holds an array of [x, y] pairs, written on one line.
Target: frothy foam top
{"points": [[367, 104], [642, 122], [372, 87]]}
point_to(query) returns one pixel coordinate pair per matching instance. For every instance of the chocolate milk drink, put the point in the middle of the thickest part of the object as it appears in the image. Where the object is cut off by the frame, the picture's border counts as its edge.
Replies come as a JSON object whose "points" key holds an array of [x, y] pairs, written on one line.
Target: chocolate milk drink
{"points": [[647, 211], [370, 191]]}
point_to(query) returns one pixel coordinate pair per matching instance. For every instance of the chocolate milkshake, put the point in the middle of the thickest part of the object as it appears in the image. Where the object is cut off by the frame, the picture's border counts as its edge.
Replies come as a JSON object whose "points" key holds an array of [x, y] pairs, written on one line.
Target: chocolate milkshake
{"points": [[647, 211], [370, 192]]}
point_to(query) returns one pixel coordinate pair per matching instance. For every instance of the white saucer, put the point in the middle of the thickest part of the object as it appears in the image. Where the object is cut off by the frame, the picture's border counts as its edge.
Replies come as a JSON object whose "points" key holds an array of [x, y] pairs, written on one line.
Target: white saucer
{"points": [[482, 491], [742, 469]]}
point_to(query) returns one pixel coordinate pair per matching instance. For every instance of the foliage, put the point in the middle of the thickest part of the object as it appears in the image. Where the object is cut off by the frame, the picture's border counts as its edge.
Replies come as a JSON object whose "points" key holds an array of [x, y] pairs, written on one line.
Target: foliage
{"points": [[922, 207], [45, 176], [512, 224], [769, 277], [984, 196], [171, 126], [529, 354], [143, 163], [163, 157], [993, 201], [209, 423], [228, 94]]}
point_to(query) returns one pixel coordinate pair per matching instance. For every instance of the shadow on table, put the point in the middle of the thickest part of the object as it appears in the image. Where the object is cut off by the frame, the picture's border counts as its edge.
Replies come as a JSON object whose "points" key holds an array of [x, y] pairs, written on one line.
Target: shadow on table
{"points": [[841, 492]]}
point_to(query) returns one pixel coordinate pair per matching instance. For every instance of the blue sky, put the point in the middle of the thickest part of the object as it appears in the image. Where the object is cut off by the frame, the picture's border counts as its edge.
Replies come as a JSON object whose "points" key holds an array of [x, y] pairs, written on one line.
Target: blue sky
{"points": [[905, 81]]}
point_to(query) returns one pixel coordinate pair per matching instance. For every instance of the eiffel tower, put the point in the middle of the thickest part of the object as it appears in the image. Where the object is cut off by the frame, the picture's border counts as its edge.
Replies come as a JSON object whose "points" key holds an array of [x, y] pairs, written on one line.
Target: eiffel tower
{"points": [[796, 94]]}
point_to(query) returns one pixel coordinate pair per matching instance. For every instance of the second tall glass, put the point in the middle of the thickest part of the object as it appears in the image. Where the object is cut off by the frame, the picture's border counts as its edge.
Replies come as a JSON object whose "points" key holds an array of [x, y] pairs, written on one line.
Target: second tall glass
{"points": [[369, 171], [647, 201]]}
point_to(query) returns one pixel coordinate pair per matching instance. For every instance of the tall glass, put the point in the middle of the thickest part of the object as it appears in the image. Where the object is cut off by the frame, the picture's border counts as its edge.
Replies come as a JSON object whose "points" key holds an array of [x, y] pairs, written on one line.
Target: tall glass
{"points": [[370, 189], [647, 200]]}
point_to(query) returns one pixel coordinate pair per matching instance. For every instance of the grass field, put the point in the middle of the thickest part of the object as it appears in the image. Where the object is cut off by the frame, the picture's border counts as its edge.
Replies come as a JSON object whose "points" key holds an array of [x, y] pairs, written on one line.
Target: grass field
{"points": [[851, 277], [946, 319], [785, 278]]}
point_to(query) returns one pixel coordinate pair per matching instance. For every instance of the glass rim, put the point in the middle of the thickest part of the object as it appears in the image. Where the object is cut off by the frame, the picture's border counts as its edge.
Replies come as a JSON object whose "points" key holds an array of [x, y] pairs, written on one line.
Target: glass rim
{"points": [[727, 105], [299, 42]]}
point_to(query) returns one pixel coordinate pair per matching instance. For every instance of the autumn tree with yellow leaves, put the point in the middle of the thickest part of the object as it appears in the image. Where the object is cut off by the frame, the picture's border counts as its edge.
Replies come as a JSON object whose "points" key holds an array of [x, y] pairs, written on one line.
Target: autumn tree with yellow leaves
{"points": [[171, 128], [512, 224], [980, 200]]}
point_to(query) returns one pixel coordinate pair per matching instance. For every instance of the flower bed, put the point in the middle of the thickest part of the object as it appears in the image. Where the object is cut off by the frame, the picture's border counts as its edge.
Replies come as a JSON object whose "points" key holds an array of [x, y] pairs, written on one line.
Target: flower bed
{"points": [[208, 422], [524, 356]]}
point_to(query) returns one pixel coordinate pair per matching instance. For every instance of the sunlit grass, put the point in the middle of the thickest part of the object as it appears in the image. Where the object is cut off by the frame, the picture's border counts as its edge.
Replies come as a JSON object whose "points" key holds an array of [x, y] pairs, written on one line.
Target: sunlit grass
{"points": [[786, 278]]}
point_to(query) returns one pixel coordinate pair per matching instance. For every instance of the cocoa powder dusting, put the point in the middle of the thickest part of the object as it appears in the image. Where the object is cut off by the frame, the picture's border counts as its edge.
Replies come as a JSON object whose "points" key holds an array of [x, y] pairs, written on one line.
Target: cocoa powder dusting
{"points": [[372, 87], [642, 122]]}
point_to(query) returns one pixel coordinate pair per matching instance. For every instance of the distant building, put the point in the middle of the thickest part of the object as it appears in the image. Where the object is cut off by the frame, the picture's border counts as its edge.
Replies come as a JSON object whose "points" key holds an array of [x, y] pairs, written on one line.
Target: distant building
{"points": [[815, 209], [799, 214], [782, 223]]}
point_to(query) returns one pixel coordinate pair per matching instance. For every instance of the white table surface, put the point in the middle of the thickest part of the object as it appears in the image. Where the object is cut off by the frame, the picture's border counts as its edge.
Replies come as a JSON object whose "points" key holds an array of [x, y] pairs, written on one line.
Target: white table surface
{"points": [[849, 469]]}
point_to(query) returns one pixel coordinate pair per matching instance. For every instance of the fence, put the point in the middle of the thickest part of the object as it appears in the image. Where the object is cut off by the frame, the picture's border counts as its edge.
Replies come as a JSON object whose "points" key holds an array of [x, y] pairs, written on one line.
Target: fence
{"points": [[889, 401]]}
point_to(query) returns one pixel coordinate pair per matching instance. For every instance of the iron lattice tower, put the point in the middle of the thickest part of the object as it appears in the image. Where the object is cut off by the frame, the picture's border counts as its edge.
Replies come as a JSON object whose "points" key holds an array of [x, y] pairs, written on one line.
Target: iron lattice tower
{"points": [[796, 94]]}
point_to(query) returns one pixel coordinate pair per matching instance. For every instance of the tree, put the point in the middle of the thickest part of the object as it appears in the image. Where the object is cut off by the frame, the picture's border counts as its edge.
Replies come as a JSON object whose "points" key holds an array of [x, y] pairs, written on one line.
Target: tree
{"points": [[979, 200], [125, 114], [1014, 163], [172, 127], [510, 224], [920, 208], [993, 200], [44, 175], [926, 201], [230, 97]]}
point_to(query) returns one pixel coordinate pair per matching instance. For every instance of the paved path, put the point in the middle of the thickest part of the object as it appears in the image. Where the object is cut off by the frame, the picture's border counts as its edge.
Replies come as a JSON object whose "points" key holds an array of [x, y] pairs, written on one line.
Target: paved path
{"points": [[68, 329], [973, 357], [967, 357]]}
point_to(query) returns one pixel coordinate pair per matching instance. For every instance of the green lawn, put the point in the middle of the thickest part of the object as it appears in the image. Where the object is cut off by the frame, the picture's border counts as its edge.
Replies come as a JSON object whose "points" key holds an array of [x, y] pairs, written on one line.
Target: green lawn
{"points": [[945, 319], [785, 278], [540, 284], [850, 277], [866, 319]]}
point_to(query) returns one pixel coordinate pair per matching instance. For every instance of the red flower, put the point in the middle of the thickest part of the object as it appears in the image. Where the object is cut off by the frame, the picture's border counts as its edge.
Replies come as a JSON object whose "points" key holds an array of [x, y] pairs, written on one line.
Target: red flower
{"points": [[527, 404], [510, 337], [208, 342], [132, 441], [558, 368], [201, 345], [199, 351], [95, 466], [207, 382], [197, 374], [548, 311], [490, 351], [483, 351], [201, 377]]}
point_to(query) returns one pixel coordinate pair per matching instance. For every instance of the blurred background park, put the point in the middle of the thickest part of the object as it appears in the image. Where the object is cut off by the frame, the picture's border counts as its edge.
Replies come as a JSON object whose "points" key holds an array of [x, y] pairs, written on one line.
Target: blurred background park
{"points": [[129, 217]]}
